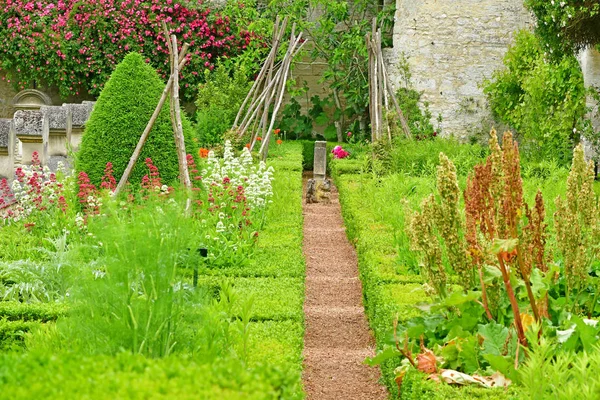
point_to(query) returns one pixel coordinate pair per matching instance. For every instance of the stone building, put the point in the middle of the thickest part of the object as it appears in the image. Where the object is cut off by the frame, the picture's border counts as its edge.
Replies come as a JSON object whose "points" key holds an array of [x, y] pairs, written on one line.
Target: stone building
{"points": [[451, 47]]}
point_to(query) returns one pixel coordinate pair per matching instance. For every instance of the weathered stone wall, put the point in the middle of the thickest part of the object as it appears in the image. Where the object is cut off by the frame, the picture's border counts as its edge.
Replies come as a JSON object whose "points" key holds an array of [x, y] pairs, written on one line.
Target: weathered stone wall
{"points": [[452, 47], [7, 94], [590, 65]]}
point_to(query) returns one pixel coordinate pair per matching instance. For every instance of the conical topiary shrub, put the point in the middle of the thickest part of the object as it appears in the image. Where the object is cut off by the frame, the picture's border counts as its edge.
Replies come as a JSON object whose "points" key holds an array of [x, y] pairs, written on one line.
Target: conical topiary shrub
{"points": [[120, 115]]}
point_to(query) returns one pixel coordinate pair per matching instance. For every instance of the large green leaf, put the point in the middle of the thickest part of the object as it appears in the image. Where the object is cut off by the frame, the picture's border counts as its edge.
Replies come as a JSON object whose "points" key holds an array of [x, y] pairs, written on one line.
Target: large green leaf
{"points": [[495, 336]]}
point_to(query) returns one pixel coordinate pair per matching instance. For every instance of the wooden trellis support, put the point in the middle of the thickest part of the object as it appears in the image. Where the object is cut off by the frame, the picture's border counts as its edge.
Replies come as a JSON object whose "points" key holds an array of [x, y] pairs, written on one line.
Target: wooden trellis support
{"points": [[177, 60], [268, 90], [380, 89]]}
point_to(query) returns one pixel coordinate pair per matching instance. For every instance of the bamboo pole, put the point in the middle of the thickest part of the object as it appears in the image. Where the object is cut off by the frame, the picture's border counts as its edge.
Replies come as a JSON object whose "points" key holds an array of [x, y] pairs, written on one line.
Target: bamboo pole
{"points": [[286, 68], [254, 90], [180, 140]]}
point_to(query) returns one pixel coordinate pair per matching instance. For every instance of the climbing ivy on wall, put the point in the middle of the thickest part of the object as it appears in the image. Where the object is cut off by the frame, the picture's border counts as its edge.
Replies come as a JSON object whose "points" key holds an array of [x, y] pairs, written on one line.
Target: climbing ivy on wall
{"points": [[567, 25], [543, 99]]}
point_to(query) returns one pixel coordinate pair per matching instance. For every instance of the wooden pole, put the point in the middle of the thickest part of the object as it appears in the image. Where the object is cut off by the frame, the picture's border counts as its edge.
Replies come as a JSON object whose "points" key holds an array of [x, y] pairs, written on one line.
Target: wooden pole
{"points": [[180, 140], [371, 106], [286, 68], [379, 82], [254, 90]]}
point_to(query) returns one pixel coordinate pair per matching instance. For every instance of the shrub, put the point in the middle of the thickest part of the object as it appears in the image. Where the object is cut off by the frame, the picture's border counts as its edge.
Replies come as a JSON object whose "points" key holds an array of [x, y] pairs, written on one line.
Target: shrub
{"points": [[543, 100], [119, 118], [419, 121], [219, 100]]}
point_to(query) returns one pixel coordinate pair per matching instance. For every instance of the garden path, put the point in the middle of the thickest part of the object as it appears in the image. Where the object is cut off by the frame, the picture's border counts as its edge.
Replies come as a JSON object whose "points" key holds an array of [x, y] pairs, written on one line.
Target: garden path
{"points": [[337, 338]]}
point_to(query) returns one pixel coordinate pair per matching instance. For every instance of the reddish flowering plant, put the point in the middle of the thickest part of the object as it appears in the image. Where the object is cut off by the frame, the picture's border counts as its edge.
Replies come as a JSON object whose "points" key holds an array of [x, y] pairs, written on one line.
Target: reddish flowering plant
{"points": [[87, 194], [34, 190], [108, 180], [339, 152]]}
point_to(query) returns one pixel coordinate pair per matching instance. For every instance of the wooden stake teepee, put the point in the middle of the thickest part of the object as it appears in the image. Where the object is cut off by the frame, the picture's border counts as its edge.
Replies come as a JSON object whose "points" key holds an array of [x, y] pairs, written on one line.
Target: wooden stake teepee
{"points": [[380, 89], [266, 94], [177, 60]]}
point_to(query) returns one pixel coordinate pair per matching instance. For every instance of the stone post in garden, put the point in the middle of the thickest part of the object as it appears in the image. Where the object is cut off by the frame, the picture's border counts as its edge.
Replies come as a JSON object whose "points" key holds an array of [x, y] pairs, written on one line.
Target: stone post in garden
{"points": [[320, 161], [77, 116], [31, 128], [57, 123], [7, 148]]}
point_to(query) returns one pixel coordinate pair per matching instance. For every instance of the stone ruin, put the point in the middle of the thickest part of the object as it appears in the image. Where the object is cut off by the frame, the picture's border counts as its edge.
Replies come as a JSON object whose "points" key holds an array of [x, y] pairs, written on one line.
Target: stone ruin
{"points": [[51, 131]]}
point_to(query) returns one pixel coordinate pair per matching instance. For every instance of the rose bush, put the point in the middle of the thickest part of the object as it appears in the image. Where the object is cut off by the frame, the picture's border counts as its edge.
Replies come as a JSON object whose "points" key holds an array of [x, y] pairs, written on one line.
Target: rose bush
{"points": [[75, 45]]}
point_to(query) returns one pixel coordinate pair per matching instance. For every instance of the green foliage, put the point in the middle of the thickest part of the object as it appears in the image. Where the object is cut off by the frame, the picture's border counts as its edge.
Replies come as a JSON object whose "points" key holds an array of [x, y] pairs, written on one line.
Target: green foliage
{"points": [[12, 332], [419, 121], [132, 301], [12, 311], [567, 25], [421, 158], [118, 120], [337, 31], [218, 102], [46, 375], [543, 100], [547, 375]]}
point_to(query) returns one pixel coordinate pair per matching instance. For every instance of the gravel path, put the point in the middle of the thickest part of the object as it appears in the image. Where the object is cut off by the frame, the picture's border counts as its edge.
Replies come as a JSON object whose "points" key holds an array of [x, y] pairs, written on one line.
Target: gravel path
{"points": [[337, 338]]}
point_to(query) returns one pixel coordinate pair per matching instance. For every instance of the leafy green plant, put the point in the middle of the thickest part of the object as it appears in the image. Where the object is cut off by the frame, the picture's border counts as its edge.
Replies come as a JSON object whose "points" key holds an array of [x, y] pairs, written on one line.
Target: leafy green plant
{"points": [[118, 120], [568, 25], [577, 228], [419, 120], [218, 102], [134, 299], [544, 100]]}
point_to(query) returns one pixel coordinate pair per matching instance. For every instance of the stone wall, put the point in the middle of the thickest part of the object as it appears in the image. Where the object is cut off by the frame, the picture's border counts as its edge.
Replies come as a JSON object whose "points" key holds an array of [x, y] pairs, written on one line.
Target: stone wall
{"points": [[590, 65], [7, 94], [451, 48]]}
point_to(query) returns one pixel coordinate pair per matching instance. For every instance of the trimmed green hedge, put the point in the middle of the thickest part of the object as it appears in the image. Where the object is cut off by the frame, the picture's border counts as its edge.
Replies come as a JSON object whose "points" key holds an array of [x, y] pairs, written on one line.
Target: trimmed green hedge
{"points": [[12, 311], [374, 215], [41, 375], [120, 115]]}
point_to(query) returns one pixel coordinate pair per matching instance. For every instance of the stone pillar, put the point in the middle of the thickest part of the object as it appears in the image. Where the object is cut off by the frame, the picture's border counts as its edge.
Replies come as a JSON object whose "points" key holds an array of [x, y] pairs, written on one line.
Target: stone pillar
{"points": [[7, 148], [320, 161], [78, 114], [31, 128], [57, 124], [590, 65]]}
